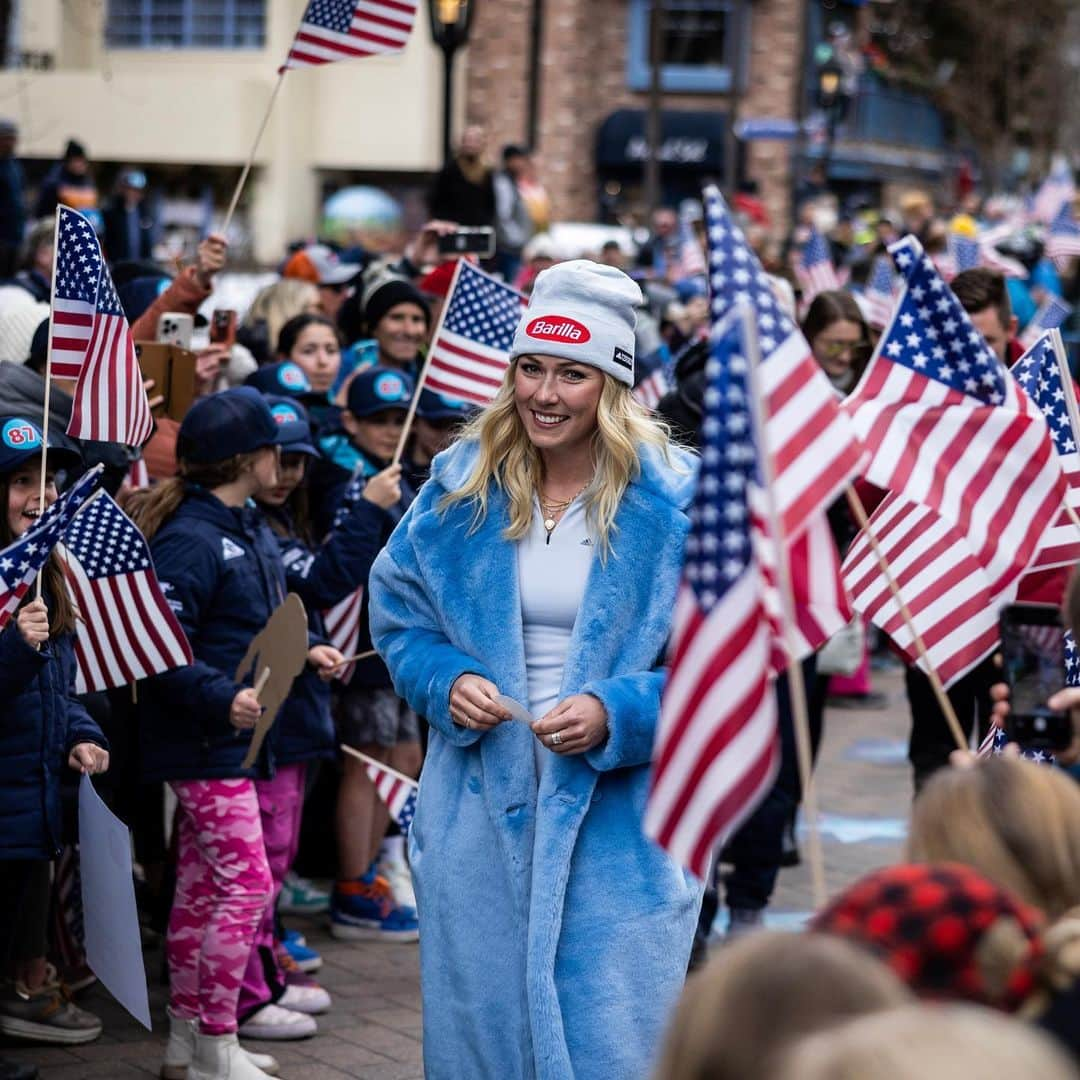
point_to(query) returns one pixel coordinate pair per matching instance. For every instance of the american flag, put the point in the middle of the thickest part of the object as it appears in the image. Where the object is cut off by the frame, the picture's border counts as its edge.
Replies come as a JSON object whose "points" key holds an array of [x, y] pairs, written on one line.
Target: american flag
{"points": [[1063, 236], [966, 252], [717, 751], [397, 791], [815, 269], [880, 295], [1057, 190], [651, 379], [90, 340], [691, 257], [972, 468], [345, 29], [814, 449], [1053, 311], [1043, 372], [127, 630], [21, 561], [471, 348]]}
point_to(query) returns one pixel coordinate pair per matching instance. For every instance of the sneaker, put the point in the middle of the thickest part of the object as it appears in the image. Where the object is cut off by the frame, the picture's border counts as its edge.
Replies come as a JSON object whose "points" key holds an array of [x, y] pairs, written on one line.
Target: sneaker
{"points": [[365, 909], [301, 897], [294, 974], [397, 873], [78, 978], [296, 947], [46, 1015], [744, 921], [310, 1000], [276, 1023]]}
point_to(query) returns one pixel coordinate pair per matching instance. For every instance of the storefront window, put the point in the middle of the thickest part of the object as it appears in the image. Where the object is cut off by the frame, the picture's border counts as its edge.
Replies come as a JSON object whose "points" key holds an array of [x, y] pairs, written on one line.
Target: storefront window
{"points": [[186, 24]]}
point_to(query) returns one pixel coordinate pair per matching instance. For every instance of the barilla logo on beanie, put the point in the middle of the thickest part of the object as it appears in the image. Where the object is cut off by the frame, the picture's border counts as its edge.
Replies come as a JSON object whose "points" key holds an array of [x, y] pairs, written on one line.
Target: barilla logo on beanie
{"points": [[558, 328], [390, 388], [20, 435], [292, 377], [284, 414]]}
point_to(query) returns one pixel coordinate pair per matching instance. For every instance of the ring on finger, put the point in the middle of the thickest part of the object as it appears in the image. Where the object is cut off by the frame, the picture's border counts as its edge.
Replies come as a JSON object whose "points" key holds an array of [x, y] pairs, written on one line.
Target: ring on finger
{"points": [[556, 738]]}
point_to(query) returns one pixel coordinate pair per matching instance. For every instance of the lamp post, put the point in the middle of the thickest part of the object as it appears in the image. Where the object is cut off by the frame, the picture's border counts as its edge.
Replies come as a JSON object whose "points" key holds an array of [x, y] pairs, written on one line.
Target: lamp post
{"points": [[450, 21]]}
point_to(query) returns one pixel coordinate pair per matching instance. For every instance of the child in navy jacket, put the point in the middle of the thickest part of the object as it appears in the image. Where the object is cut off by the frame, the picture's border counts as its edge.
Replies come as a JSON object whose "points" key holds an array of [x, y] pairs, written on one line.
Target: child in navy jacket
{"points": [[222, 574], [355, 470], [43, 728]]}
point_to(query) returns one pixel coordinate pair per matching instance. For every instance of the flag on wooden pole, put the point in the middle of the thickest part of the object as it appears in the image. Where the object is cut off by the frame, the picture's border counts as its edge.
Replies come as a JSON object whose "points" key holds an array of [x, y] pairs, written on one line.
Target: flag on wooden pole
{"points": [[346, 29]]}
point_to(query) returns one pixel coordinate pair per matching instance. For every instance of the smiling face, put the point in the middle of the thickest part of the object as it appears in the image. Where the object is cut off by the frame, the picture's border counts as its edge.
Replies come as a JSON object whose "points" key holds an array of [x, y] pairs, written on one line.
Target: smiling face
{"points": [[838, 347], [400, 333], [318, 352], [24, 496], [557, 401], [289, 475]]}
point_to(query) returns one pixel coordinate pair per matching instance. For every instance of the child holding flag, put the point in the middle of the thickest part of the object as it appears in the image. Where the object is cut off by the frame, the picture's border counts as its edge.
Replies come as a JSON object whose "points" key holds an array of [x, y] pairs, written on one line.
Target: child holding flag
{"points": [[44, 726], [221, 571]]}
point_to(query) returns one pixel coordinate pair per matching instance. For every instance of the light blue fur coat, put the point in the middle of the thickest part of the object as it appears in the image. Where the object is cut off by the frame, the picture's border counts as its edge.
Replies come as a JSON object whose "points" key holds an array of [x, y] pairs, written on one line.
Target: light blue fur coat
{"points": [[554, 937]]}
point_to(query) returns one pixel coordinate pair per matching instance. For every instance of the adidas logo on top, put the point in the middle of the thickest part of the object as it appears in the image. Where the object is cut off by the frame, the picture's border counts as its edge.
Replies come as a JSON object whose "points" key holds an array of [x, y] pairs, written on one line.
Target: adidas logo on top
{"points": [[230, 550]]}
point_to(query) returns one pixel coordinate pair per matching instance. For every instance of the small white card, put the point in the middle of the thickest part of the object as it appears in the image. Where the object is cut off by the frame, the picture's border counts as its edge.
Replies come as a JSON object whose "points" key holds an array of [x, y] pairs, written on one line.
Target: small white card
{"points": [[514, 708]]}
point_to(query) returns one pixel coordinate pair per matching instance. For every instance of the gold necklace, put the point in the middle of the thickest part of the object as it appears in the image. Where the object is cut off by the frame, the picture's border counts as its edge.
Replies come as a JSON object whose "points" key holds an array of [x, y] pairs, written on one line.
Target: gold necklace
{"points": [[550, 509]]}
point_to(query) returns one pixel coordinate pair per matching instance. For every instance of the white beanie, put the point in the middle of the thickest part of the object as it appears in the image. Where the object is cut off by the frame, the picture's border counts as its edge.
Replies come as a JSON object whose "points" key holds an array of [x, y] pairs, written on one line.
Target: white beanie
{"points": [[17, 327], [583, 311]]}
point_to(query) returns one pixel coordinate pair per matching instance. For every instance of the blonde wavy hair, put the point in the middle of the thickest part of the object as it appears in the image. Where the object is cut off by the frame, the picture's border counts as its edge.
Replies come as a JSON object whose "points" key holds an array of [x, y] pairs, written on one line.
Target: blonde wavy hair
{"points": [[509, 460]]}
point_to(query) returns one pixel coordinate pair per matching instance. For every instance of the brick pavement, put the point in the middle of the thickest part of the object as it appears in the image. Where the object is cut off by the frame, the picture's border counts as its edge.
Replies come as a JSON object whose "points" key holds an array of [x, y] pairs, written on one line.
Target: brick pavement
{"points": [[373, 1032]]}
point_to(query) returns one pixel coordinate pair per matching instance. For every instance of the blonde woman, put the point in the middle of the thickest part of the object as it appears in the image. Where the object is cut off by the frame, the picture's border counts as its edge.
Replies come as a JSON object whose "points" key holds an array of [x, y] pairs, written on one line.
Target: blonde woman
{"points": [[1015, 822], [541, 562], [271, 309]]}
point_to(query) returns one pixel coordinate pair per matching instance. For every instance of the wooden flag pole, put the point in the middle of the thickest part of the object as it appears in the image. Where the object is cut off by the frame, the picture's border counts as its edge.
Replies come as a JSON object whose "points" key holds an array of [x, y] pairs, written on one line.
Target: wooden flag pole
{"points": [[352, 660], [260, 685], [796, 683], [251, 157], [943, 701], [381, 764], [48, 383], [411, 414]]}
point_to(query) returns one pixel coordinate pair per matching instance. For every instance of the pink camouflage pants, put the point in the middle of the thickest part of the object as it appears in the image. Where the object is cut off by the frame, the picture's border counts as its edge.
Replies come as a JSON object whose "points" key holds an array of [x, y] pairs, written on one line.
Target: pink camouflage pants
{"points": [[222, 887]]}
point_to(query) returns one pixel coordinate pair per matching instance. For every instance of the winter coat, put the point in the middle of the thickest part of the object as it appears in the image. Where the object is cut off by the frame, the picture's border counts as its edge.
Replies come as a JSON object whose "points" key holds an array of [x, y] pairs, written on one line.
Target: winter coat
{"points": [[554, 936], [332, 495], [222, 575], [322, 577], [41, 721]]}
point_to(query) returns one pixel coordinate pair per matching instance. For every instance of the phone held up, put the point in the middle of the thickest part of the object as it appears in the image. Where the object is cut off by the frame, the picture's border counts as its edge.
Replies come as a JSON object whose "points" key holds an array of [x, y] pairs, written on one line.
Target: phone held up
{"points": [[1033, 654], [223, 327], [175, 328], [479, 241]]}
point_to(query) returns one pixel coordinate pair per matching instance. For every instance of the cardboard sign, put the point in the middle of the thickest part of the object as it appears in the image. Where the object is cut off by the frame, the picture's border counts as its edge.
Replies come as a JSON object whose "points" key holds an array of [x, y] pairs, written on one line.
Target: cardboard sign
{"points": [[277, 654], [173, 372]]}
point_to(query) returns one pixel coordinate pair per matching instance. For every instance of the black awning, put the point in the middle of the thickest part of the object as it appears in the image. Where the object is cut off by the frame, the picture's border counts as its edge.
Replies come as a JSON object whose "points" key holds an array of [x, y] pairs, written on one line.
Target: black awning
{"points": [[690, 139]]}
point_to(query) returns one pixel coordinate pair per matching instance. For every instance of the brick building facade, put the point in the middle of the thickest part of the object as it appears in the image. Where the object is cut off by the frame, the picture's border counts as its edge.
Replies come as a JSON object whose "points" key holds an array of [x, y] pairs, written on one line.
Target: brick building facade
{"points": [[583, 79]]}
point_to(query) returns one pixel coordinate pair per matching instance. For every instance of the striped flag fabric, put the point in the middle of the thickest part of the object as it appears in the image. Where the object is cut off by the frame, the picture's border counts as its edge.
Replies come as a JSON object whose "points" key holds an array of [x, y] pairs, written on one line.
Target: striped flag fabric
{"points": [[815, 269], [1063, 236], [126, 631], [1043, 374], [650, 380], [948, 427], [1052, 312], [691, 255], [346, 29], [396, 791], [880, 295], [470, 351], [90, 340], [1057, 190], [717, 750], [21, 560]]}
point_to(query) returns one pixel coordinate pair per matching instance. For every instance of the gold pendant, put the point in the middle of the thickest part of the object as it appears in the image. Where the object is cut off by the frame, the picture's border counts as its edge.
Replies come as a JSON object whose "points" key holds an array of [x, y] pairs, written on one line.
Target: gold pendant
{"points": [[549, 524]]}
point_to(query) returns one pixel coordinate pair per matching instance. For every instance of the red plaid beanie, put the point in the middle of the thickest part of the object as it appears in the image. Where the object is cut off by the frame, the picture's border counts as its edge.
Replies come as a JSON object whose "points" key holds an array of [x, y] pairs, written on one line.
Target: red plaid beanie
{"points": [[945, 930]]}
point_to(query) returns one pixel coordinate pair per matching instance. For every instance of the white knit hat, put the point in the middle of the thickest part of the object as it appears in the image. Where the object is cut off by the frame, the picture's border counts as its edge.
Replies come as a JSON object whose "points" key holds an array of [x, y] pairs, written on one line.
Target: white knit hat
{"points": [[17, 326], [584, 311]]}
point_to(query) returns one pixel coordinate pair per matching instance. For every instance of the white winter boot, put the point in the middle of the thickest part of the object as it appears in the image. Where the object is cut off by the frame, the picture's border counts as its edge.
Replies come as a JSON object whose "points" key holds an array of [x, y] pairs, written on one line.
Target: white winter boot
{"points": [[179, 1051]]}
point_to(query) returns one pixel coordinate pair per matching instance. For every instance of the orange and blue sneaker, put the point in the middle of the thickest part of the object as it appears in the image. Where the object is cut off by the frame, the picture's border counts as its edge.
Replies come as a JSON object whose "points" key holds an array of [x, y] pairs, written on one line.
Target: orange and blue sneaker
{"points": [[364, 909]]}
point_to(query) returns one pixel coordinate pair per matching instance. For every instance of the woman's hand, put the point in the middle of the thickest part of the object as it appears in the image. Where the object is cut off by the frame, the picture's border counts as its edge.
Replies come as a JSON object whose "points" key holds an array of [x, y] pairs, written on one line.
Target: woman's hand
{"points": [[33, 623], [473, 705], [326, 660], [210, 258], [89, 758], [574, 726], [245, 710], [384, 488], [1067, 700]]}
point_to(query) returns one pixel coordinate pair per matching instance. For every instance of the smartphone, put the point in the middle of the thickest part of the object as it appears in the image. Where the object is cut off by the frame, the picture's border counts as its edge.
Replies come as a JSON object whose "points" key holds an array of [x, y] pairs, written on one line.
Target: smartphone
{"points": [[223, 327], [175, 328], [1033, 654], [479, 241]]}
